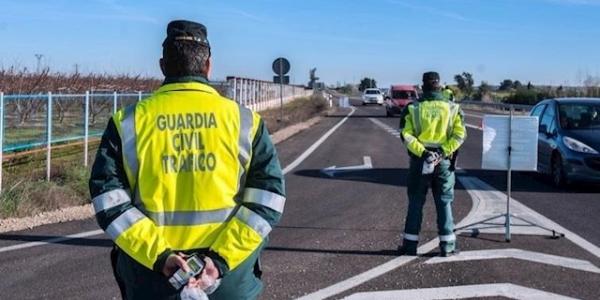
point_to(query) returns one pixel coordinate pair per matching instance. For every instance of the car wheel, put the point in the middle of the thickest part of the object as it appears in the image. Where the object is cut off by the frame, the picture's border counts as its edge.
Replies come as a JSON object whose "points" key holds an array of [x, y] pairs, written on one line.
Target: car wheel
{"points": [[558, 172]]}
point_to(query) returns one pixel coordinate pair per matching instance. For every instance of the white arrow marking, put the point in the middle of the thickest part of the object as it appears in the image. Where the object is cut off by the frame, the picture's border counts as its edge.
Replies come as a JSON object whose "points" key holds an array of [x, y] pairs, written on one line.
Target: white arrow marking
{"points": [[571, 263], [330, 171], [507, 290]]}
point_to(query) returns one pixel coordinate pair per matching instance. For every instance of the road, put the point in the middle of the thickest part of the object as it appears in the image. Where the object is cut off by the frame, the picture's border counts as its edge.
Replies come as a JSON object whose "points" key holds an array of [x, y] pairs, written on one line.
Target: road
{"points": [[339, 233]]}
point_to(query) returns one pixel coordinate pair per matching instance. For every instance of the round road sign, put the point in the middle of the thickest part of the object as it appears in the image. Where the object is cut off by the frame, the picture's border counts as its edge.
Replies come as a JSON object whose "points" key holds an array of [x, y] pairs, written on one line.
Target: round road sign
{"points": [[281, 66]]}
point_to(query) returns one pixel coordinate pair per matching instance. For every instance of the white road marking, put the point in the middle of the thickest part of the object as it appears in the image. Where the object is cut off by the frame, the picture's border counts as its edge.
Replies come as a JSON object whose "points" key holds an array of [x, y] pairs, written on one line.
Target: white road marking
{"points": [[52, 240], [487, 202], [367, 164], [368, 275], [542, 258], [290, 167], [378, 270], [314, 146], [506, 290]]}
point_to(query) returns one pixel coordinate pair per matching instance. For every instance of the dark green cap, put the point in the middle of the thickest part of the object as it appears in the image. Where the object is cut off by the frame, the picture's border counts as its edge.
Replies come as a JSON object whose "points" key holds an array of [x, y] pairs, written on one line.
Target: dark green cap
{"points": [[428, 76], [182, 30]]}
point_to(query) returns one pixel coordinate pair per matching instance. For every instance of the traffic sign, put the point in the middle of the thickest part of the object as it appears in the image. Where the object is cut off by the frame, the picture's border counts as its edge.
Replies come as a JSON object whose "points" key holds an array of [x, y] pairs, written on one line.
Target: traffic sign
{"points": [[281, 79], [281, 66]]}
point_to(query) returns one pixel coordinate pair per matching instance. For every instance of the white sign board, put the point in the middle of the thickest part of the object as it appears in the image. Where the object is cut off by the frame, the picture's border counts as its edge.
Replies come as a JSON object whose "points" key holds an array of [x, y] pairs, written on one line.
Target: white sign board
{"points": [[524, 136]]}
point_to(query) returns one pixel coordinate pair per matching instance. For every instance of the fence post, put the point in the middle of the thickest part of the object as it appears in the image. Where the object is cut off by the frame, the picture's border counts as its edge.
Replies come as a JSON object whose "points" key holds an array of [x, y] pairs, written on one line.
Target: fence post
{"points": [[114, 102], [139, 96], [86, 122], [1, 135], [48, 136], [234, 89]]}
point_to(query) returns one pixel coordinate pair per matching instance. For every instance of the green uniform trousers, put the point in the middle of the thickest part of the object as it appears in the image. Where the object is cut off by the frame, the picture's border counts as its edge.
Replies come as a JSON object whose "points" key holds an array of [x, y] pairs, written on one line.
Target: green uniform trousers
{"points": [[442, 188], [140, 282]]}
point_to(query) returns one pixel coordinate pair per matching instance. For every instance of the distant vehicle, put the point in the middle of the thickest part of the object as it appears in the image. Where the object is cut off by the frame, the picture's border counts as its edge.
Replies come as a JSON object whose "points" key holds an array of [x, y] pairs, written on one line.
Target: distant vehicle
{"points": [[569, 139], [400, 96], [372, 96]]}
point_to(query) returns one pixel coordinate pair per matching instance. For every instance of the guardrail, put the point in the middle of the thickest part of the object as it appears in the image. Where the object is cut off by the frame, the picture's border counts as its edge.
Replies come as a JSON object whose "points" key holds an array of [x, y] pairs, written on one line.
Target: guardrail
{"points": [[259, 95], [495, 106]]}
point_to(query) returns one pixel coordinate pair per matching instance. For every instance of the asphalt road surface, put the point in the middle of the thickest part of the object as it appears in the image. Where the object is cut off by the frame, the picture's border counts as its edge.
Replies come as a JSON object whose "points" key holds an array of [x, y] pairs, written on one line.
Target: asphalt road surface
{"points": [[339, 233]]}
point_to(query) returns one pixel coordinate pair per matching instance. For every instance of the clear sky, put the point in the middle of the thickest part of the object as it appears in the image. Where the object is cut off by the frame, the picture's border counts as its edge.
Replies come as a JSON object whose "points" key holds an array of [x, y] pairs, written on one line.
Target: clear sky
{"points": [[394, 41]]}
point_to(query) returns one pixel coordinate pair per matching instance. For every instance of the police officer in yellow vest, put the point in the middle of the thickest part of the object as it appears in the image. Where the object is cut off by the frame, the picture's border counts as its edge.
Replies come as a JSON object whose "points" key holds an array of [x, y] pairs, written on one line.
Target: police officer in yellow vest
{"points": [[432, 129], [187, 171]]}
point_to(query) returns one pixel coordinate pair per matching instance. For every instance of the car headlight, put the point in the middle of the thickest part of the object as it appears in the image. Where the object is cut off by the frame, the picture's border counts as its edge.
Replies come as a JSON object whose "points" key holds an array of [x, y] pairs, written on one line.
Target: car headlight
{"points": [[578, 146]]}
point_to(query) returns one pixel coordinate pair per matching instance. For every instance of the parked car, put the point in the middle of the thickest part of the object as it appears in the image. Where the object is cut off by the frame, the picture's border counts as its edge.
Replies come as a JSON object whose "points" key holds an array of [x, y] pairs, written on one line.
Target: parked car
{"points": [[399, 97], [372, 96], [569, 139]]}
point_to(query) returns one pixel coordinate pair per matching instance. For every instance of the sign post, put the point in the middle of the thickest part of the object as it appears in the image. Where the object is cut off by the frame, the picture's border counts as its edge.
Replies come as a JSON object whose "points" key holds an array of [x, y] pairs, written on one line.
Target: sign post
{"points": [[281, 66], [509, 144]]}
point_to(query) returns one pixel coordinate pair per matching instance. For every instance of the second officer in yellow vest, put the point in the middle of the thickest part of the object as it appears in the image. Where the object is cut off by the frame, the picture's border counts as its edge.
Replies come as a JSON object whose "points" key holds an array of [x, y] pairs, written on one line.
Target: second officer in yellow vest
{"points": [[187, 170], [432, 129]]}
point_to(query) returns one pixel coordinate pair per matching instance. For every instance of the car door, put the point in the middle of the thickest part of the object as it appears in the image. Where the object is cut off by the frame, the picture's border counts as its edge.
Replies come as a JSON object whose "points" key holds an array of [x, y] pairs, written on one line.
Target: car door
{"points": [[546, 143]]}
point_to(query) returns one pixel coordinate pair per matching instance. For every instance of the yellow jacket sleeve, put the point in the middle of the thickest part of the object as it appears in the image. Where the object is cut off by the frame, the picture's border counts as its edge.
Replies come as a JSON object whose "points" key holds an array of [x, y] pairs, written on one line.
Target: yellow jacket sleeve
{"points": [[458, 135], [408, 133]]}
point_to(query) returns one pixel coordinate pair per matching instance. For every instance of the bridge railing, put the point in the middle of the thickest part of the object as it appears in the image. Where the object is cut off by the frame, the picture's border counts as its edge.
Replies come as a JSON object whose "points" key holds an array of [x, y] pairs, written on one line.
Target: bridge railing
{"points": [[259, 95]]}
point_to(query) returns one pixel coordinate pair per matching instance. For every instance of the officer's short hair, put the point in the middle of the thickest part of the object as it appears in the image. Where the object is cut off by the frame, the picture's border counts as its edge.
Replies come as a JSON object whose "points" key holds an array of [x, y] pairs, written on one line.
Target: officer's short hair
{"points": [[185, 49]]}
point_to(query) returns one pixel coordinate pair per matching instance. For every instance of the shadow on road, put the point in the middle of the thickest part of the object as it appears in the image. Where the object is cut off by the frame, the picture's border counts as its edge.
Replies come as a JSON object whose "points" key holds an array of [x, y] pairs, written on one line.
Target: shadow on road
{"points": [[92, 242], [522, 182]]}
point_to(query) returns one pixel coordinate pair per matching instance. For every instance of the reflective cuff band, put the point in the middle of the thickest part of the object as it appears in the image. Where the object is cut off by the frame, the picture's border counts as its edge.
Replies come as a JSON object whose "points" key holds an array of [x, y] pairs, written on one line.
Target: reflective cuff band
{"points": [[189, 218], [432, 145], [411, 237], [458, 138], [110, 199], [123, 222], [271, 200], [254, 221], [447, 238]]}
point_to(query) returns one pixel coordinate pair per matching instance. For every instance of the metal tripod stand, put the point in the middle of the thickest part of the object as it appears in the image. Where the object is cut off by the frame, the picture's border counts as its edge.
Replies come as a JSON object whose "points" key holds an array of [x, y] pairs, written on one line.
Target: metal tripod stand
{"points": [[488, 223]]}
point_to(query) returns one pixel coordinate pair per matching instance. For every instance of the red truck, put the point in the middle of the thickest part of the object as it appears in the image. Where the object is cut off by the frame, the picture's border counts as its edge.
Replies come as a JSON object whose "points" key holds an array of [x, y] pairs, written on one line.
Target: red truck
{"points": [[399, 97]]}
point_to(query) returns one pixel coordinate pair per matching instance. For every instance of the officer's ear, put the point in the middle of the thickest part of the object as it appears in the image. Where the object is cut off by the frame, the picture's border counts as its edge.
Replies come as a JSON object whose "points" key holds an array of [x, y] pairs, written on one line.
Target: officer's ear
{"points": [[161, 63], [208, 67]]}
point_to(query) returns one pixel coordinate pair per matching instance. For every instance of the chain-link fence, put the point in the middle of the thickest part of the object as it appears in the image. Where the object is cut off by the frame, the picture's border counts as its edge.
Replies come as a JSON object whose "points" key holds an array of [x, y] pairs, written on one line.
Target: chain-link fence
{"points": [[34, 124]]}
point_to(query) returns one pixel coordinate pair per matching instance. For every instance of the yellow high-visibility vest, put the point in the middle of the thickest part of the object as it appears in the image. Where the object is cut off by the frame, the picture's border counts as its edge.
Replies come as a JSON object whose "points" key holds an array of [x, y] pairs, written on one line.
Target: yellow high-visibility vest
{"points": [[186, 151]]}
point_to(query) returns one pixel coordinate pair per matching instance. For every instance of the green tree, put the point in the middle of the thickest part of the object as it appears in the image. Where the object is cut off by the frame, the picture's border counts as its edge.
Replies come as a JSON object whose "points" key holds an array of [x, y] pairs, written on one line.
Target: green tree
{"points": [[367, 83], [517, 85], [506, 85], [465, 83]]}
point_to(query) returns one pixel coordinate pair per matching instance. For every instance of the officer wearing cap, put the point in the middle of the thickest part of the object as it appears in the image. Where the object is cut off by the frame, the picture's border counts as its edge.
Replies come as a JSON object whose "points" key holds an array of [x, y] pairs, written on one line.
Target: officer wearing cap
{"points": [[432, 130], [187, 171]]}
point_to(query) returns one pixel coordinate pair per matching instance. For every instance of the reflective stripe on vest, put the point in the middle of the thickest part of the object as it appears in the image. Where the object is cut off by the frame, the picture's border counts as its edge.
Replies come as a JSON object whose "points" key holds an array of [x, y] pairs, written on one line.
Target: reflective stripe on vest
{"points": [[453, 112], [254, 221], [416, 116], [271, 200], [129, 138], [189, 218], [123, 222], [110, 199], [245, 144]]}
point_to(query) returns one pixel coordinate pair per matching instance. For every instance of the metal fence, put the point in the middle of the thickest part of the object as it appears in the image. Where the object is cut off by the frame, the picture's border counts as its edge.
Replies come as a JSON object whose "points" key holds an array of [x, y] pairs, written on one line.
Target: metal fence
{"points": [[46, 120]]}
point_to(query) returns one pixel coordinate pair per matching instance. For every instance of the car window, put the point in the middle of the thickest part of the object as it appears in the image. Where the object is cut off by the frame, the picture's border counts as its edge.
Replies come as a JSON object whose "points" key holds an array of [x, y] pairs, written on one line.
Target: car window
{"points": [[404, 95], [547, 118], [579, 115], [373, 92], [537, 111]]}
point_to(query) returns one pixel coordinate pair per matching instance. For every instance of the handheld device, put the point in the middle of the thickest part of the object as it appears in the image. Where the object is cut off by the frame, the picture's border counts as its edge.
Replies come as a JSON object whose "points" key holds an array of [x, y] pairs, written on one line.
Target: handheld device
{"points": [[181, 277]]}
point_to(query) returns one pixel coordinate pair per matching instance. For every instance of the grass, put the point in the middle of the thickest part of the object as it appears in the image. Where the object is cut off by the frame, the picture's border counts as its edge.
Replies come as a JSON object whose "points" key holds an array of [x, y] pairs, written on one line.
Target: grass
{"points": [[31, 194], [26, 192], [294, 112]]}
